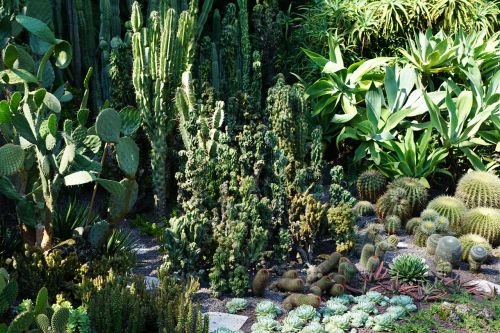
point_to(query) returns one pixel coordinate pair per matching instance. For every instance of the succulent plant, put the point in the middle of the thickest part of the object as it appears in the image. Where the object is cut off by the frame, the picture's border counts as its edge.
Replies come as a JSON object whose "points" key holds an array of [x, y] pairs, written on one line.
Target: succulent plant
{"points": [[236, 305], [416, 193], [292, 274], [382, 247], [451, 208], [431, 243], [226, 330], [333, 307], [449, 249], [266, 324], [324, 284], [260, 282], [393, 240], [408, 268], [479, 189], [392, 224], [313, 327], [341, 322], [344, 299], [377, 298], [358, 318], [401, 300], [306, 312], [363, 208], [443, 267], [393, 202], [314, 273], [367, 251], [371, 184], [442, 224], [425, 229], [477, 255], [469, 240], [365, 306], [412, 225], [372, 264], [429, 215], [484, 222], [381, 322], [267, 309]]}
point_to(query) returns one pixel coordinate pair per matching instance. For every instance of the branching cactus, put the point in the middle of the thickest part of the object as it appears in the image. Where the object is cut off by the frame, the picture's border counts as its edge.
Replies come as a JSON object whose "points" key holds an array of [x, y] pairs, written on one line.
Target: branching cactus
{"points": [[162, 51]]}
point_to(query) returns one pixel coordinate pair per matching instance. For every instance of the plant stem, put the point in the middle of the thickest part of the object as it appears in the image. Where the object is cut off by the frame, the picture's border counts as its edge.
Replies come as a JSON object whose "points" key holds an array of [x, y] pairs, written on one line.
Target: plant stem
{"points": [[95, 185]]}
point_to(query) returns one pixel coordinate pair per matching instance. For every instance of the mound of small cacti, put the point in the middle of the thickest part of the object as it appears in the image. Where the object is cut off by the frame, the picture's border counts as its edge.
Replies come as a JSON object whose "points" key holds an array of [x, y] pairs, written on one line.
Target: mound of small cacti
{"points": [[452, 208], [394, 202], [314, 273], [484, 222], [479, 189], [371, 184], [415, 191], [469, 240], [424, 230]]}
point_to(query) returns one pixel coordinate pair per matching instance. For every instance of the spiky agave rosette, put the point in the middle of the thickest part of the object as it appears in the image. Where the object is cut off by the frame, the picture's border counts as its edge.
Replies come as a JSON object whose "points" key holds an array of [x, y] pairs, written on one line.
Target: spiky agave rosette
{"points": [[409, 269]]}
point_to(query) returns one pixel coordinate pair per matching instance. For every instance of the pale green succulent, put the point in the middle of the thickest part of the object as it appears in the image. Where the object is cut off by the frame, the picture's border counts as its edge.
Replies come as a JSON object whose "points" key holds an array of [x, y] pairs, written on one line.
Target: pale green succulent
{"points": [[337, 321], [358, 318], [377, 298], [267, 309], [226, 330], [236, 305], [401, 300], [408, 268], [293, 323], [442, 224], [334, 308], [365, 306], [344, 299], [306, 313], [382, 322], [397, 311], [313, 327], [266, 324]]}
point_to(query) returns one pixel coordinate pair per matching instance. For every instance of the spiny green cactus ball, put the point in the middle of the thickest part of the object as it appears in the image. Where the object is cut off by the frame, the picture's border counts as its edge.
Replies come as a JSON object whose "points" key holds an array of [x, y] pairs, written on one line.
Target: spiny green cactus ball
{"points": [[393, 240], [442, 224], [479, 189], [392, 224], [484, 222], [412, 225], [432, 242], [393, 202], [451, 208], [469, 240], [416, 193], [371, 184], [429, 215], [363, 208]]}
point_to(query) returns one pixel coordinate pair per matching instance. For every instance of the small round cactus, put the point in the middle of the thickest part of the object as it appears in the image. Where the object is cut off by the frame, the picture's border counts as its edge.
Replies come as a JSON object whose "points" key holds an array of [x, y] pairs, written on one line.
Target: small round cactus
{"points": [[412, 225], [479, 189], [429, 215], [348, 270], [416, 193], [443, 267], [371, 184], [477, 255], [431, 243], [372, 264], [363, 208], [393, 240], [392, 224], [337, 290], [424, 230], [451, 208], [442, 224], [367, 251], [393, 202], [469, 240], [449, 249], [381, 248], [484, 222]]}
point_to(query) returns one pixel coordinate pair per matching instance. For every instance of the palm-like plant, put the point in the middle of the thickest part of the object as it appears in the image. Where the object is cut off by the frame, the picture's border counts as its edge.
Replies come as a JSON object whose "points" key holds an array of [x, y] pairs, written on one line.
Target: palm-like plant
{"points": [[391, 14], [454, 14], [419, 13], [365, 27], [485, 16]]}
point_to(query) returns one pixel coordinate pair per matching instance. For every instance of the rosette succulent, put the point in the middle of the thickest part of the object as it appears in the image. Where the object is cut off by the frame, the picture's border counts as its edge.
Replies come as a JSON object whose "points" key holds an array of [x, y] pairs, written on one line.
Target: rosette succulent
{"points": [[358, 318], [292, 323], [334, 308], [382, 322], [266, 324], [226, 330], [342, 322], [345, 299], [377, 298], [313, 327], [401, 300], [236, 305], [365, 306], [409, 268], [306, 313], [267, 309]]}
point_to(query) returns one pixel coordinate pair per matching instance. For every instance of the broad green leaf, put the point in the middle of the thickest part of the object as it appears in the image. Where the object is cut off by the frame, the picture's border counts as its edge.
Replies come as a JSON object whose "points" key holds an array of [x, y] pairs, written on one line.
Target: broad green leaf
{"points": [[5, 114], [63, 54], [373, 99], [52, 102], [318, 59], [52, 124], [37, 28], [10, 55], [474, 159], [79, 178], [366, 67]]}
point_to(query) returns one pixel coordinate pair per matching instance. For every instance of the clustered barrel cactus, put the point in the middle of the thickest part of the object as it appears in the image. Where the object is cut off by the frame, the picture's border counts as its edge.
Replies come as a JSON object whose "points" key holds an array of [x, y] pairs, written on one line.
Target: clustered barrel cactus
{"points": [[479, 189], [451, 208]]}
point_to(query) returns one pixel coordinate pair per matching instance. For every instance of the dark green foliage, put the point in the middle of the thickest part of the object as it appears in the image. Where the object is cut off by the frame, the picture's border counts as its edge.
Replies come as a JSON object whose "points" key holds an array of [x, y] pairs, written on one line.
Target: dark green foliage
{"points": [[69, 217], [120, 74]]}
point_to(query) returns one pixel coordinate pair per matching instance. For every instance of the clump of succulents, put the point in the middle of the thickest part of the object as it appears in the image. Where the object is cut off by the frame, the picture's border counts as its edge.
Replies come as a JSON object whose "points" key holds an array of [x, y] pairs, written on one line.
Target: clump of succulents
{"points": [[377, 298], [341, 322], [266, 324], [409, 269], [306, 313], [226, 330], [449, 249], [469, 240], [236, 305], [292, 323], [452, 208], [267, 309], [370, 185], [333, 307], [345, 299], [484, 222], [365, 306], [479, 189], [358, 318], [404, 301], [424, 230], [313, 327], [381, 322], [416, 193], [363, 208]]}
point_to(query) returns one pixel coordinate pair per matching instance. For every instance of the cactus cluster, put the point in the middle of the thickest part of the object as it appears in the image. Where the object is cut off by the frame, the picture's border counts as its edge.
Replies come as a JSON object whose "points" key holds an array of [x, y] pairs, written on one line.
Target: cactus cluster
{"points": [[416, 193], [469, 240], [451, 208], [479, 189], [424, 230], [432, 242], [394, 202], [412, 225], [371, 184], [484, 222], [363, 208]]}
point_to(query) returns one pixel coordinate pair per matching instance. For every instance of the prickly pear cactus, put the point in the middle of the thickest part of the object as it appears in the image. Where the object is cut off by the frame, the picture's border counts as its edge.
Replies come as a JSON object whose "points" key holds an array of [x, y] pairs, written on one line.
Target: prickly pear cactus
{"points": [[11, 159]]}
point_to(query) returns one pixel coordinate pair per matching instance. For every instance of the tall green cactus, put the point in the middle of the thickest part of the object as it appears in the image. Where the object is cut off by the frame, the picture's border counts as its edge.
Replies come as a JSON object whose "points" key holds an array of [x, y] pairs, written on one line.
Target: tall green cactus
{"points": [[162, 51]]}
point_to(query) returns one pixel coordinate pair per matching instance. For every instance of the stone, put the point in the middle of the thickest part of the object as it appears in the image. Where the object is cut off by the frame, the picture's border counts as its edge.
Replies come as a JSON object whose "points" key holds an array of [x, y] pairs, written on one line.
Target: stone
{"points": [[227, 320], [402, 245], [151, 282], [484, 286]]}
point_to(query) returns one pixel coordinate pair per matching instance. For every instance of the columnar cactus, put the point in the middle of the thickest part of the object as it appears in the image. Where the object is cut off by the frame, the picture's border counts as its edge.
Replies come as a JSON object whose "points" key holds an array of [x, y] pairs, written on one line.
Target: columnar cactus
{"points": [[416, 193], [484, 222], [479, 189], [392, 224], [382, 247], [367, 251], [451, 208], [469, 240], [363, 208], [394, 202], [162, 51], [371, 184], [449, 249], [432, 242], [477, 255], [372, 264]]}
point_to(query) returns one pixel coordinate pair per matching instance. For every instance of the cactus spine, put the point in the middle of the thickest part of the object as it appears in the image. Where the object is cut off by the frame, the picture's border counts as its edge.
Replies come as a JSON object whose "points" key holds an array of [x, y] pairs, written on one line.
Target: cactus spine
{"points": [[161, 52], [451, 208], [394, 202], [477, 255], [371, 184], [484, 222], [479, 189]]}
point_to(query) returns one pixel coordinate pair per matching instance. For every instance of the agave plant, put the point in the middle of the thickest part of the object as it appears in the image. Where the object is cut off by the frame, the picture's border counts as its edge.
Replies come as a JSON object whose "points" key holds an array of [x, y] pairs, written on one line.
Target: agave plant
{"points": [[120, 242], [476, 49], [69, 217], [455, 14], [409, 269]]}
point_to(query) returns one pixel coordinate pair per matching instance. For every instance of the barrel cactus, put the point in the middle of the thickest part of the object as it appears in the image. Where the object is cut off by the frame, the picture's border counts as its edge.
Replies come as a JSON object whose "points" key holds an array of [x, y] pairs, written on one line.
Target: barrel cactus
{"points": [[431, 243], [484, 222], [449, 249], [451, 208], [477, 255], [371, 184], [424, 230], [479, 189], [416, 193], [442, 224], [412, 225], [393, 240], [363, 208], [392, 224], [393, 202], [429, 215], [469, 240]]}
